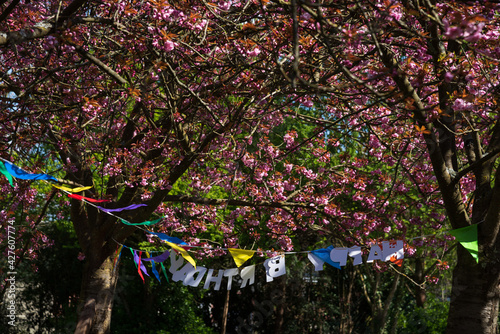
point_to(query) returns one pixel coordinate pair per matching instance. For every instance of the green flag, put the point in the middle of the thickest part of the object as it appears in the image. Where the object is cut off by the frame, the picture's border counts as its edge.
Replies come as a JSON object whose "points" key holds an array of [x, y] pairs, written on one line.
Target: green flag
{"points": [[152, 222], [4, 171], [467, 236]]}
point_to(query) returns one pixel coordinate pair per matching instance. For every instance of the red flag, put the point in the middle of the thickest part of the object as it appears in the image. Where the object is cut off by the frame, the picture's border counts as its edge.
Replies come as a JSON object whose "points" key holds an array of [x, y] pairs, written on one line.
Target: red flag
{"points": [[139, 267], [81, 198]]}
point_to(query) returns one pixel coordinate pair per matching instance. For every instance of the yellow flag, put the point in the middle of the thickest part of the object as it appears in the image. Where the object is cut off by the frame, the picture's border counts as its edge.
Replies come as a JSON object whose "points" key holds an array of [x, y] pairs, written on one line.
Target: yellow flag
{"points": [[72, 190], [240, 256], [183, 252]]}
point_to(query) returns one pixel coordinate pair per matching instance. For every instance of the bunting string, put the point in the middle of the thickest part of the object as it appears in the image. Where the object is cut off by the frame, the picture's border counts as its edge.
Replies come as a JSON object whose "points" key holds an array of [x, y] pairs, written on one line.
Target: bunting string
{"points": [[337, 257]]}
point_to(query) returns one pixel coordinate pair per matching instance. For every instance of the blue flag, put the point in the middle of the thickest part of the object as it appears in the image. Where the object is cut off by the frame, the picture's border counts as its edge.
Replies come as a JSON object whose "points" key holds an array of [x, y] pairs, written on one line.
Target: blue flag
{"points": [[165, 237], [324, 255], [21, 174]]}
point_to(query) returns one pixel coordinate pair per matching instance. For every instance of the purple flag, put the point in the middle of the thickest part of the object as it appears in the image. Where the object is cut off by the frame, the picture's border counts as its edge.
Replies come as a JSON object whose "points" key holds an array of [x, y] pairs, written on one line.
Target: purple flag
{"points": [[130, 207], [159, 258], [137, 260]]}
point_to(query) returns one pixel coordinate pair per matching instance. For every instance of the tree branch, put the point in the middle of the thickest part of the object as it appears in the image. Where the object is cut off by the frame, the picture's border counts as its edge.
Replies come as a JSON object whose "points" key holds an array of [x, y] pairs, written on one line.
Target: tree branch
{"points": [[8, 10], [235, 202], [474, 165], [105, 68], [41, 29]]}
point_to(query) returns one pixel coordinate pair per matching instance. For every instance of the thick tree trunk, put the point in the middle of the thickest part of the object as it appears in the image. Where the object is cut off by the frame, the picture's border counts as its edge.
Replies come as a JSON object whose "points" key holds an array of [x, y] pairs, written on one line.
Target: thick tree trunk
{"points": [[98, 289], [280, 307], [346, 322], [420, 279], [381, 310], [475, 295]]}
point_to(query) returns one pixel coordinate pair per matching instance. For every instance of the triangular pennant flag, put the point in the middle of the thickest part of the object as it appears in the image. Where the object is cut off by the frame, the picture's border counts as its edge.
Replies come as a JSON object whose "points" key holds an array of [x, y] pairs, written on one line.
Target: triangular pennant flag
{"points": [[140, 267], [21, 174], [164, 271], [467, 236], [324, 255], [155, 272], [81, 198], [167, 238], [72, 190], [134, 256], [140, 264], [147, 223], [4, 171], [240, 256], [153, 267], [159, 258], [130, 207], [183, 252]]}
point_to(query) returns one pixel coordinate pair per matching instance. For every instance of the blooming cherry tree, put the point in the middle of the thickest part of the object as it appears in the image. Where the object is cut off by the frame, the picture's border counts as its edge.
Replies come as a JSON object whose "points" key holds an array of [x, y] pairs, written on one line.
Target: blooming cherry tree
{"points": [[263, 121]]}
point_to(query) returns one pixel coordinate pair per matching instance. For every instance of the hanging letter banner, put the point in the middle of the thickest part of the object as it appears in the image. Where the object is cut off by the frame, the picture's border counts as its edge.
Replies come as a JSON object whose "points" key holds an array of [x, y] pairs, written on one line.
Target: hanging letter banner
{"points": [[316, 261], [191, 275], [275, 267], [190, 278], [247, 275], [375, 254], [229, 273], [339, 255], [355, 253], [392, 249]]}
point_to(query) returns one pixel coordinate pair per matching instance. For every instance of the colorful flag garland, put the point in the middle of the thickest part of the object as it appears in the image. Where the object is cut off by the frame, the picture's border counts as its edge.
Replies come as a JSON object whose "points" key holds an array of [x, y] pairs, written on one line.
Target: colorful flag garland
{"points": [[274, 266], [393, 251]]}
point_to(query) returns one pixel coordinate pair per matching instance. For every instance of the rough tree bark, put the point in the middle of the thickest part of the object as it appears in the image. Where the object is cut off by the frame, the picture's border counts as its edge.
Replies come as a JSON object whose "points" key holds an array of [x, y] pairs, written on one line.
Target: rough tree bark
{"points": [[99, 277], [475, 296], [420, 279], [474, 306], [98, 288]]}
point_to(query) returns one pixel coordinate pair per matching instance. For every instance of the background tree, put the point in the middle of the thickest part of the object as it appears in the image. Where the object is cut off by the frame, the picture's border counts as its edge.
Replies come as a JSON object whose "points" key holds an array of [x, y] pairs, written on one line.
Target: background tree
{"points": [[423, 75]]}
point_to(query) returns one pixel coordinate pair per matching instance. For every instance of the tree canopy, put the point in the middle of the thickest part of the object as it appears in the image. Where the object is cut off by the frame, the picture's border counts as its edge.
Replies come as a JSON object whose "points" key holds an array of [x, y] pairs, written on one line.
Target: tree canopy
{"points": [[258, 123]]}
